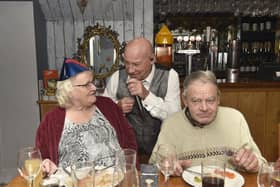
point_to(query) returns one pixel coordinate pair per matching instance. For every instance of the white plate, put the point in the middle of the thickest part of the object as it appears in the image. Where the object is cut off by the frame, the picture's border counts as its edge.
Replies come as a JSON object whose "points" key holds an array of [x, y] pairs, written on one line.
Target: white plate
{"points": [[103, 178], [64, 178], [188, 177]]}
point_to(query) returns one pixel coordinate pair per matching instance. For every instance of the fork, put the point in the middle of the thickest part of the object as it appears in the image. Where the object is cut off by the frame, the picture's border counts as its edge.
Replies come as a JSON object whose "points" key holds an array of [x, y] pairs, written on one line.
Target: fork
{"points": [[193, 172], [66, 171], [231, 152]]}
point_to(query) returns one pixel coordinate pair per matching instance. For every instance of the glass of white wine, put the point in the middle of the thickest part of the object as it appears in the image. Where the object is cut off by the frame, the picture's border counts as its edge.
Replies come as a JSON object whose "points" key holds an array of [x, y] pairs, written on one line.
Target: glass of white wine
{"points": [[29, 163], [166, 160]]}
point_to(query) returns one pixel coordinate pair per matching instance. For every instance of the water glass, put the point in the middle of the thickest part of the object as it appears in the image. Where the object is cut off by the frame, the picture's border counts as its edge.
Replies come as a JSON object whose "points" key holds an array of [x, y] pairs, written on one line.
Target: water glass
{"points": [[130, 156], [166, 160], [213, 173], [129, 176], [83, 173], [268, 175]]}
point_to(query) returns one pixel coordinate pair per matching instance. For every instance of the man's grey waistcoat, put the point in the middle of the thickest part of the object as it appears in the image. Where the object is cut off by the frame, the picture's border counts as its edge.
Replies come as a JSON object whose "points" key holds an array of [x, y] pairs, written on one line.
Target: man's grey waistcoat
{"points": [[146, 127]]}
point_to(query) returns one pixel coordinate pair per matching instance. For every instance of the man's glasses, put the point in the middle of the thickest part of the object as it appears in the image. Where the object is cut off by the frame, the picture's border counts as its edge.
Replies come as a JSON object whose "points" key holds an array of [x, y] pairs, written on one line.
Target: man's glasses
{"points": [[87, 85]]}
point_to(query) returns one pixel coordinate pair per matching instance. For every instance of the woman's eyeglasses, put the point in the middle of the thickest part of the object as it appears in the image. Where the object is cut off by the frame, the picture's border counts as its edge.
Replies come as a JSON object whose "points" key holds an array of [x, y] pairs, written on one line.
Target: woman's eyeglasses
{"points": [[87, 85]]}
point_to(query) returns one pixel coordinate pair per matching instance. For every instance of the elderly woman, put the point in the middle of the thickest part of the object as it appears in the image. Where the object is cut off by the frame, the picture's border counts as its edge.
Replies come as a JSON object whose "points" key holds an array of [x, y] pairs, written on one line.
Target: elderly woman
{"points": [[85, 126]]}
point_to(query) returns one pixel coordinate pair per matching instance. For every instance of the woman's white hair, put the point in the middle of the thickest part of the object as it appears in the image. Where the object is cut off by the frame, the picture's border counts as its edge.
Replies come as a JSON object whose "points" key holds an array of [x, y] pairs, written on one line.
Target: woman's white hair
{"points": [[63, 90]]}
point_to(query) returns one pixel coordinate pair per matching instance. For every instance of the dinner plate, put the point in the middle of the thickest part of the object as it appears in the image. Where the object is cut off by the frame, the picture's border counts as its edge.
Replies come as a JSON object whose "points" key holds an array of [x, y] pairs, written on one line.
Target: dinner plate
{"points": [[108, 177], [189, 177], [64, 178], [103, 177]]}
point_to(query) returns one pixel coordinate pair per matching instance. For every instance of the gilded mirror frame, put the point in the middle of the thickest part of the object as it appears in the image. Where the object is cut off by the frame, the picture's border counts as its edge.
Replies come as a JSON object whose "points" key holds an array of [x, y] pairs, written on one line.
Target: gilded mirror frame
{"points": [[98, 30]]}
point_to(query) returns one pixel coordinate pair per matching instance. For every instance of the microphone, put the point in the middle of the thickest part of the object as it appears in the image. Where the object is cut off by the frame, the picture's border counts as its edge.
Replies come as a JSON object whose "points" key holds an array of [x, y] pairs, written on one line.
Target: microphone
{"points": [[139, 103]]}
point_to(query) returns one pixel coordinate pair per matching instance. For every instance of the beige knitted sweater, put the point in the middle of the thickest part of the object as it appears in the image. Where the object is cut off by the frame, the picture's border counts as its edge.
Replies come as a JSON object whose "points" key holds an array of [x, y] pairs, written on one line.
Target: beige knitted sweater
{"points": [[229, 131]]}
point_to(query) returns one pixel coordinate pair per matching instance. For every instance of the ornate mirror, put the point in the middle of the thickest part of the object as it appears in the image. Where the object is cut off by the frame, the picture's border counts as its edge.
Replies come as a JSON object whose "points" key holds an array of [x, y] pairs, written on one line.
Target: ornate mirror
{"points": [[100, 49]]}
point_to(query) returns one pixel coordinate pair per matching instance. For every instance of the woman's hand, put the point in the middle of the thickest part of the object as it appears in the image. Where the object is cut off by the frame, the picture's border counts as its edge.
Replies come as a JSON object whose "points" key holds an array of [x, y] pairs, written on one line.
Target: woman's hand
{"points": [[48, 167]]}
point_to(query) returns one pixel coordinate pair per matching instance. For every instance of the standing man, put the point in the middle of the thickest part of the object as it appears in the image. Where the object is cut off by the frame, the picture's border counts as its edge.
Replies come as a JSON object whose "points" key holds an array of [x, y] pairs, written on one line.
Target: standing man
{"points": [[146, 92]]}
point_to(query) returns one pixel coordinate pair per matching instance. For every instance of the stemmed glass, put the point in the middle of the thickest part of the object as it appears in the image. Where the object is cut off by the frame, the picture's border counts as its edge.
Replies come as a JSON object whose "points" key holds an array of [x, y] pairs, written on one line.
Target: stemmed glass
{"points": [[166, 160], [268, 175], [29, 163]]}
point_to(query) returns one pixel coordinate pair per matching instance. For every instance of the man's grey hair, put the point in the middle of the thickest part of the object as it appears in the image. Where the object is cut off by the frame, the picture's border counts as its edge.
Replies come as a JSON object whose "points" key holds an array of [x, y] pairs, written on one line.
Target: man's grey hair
{"points": [[203, 76], [63, 90]]}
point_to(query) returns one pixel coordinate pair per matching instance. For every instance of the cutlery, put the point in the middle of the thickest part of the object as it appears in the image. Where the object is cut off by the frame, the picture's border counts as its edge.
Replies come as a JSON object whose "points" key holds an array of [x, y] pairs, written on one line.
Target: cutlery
{"points": [[193, 172], [231, 152], [66, 171]]}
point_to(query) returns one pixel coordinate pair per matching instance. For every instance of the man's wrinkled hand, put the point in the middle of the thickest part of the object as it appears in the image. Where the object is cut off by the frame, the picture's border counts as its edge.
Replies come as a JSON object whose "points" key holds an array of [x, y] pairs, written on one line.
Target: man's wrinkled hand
{"points": [[245, 159], [136, 87], [180, 165], [126, 104]]}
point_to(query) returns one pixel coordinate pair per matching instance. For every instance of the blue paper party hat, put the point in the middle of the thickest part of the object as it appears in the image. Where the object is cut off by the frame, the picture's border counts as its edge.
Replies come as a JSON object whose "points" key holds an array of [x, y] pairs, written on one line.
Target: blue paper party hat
{"points": [[71, 67]]}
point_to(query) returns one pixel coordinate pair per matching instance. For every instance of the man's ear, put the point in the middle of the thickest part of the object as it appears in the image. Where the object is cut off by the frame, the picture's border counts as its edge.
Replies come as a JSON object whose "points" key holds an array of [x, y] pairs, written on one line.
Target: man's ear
{"points": [[184, 100], [152, 59]]}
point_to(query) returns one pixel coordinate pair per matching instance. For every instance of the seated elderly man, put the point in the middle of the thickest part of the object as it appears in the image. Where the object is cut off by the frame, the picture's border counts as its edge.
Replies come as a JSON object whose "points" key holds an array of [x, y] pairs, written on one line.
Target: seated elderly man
{"points": [[203, 129]]}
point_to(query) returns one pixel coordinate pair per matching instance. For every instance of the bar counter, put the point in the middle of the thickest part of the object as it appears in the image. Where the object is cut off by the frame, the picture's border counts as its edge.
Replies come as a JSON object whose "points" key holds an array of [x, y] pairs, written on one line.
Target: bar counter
{"points": [[251, 84]]}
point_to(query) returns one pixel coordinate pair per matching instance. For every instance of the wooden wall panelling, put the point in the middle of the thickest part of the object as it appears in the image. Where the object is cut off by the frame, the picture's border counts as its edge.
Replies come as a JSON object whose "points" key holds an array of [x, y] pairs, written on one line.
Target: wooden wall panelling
{"points": [[252, 105], [229, 99], [55, 7], [77, 15], [51, 44], [59, 38], [66, 10], [118, 20], [69, 39], [130, 18], [88, 13], [138, 21], [46, 106], [272, 121], [148, 20], [127, 6], [47, 11]]}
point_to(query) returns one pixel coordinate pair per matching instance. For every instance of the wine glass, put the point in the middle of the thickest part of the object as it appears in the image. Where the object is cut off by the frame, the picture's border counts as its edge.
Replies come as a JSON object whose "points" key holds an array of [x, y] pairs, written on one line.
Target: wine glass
{"points": [[165, 160], [29, 163], [268, 175]]}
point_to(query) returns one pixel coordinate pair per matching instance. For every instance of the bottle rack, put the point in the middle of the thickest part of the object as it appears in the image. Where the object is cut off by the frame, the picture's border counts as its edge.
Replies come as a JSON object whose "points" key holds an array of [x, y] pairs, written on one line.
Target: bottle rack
{"points": [[257, 43]]}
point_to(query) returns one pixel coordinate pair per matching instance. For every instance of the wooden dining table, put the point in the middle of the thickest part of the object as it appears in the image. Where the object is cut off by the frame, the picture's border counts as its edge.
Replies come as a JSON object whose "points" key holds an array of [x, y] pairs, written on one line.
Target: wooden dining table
{"points": [[250, 181]]}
